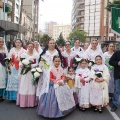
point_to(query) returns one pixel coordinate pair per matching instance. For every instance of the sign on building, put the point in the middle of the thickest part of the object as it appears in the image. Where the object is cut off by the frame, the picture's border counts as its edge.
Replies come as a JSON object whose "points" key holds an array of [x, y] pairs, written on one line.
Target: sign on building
{"points": [[115, 25]]}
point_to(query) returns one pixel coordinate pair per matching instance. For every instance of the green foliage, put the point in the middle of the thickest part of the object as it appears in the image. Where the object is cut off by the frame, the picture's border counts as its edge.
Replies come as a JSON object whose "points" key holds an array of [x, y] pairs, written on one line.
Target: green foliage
{"points": [[45, 39], [115, 3], [78, 34], [60, 40]]}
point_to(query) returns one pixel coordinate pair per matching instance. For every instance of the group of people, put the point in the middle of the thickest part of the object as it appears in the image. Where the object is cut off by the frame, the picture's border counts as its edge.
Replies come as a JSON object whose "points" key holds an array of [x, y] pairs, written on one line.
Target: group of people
{"points": [[82, 77]]}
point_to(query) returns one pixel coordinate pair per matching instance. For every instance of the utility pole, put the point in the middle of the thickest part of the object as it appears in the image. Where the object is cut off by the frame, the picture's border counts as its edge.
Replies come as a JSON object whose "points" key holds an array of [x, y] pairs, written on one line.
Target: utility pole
{"points": [[107, 23]]}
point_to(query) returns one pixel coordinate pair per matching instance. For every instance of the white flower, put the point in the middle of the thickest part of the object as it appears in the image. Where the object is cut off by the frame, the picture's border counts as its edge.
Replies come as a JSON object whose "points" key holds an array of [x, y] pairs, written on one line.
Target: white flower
{"points": [[25, 62], [39, 70], [7, 58], [78, 59], [33, 70], [36, 74], [90, 64]]}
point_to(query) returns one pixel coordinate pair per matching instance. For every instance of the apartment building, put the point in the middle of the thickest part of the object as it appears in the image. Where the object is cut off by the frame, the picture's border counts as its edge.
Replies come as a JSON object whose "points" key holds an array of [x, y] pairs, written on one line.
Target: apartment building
{"points": [[64, 29], [49, 28], [90, 16]]}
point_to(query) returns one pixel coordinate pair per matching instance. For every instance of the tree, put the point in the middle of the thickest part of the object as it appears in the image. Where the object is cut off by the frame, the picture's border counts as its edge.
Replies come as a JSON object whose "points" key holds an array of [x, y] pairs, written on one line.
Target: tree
{"points": [[60, 40], [78, 34], [45, 39]]}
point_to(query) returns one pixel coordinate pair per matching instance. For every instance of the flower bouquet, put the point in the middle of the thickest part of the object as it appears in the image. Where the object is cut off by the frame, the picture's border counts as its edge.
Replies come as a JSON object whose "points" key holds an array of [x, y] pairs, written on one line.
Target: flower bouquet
{"points": [[36, 72], [90, 63], [98, 73], [7, 62], [108, 65], [45, 63], [83, 83], [77, 59], [26, 66]]}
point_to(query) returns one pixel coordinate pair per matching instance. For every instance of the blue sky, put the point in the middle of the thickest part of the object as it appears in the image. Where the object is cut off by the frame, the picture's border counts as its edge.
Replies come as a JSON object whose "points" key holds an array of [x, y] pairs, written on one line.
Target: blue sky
{"points": [[55, 10]]}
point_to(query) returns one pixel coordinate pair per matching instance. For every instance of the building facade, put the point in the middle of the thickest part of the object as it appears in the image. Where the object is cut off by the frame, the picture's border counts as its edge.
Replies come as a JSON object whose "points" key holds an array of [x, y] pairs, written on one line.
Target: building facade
{"points": [[49, 28], [64, 29], [90, 16]]}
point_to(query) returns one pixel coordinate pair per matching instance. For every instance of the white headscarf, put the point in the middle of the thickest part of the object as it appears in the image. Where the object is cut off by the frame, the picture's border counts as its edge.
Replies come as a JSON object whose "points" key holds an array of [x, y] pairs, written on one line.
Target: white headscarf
{"points": [[39, 48], [4, 46], [98, 47]]}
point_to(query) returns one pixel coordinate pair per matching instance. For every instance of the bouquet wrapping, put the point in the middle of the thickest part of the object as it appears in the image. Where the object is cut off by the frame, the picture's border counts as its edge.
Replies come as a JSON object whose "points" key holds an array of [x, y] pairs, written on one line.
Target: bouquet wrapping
{"points": [[26, 66], [36, 72], [7, 62]]}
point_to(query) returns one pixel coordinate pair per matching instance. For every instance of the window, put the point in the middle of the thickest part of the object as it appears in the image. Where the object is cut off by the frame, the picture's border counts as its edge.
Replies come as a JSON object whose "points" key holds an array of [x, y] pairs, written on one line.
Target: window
{"points": [[17, 8], [17, 19]]}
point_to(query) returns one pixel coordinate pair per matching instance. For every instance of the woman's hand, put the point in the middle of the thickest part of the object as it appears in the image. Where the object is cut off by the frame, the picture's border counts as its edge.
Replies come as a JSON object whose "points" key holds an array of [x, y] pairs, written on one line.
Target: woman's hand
{"points": [[99, 80], [21, 66], [82, 80], [17, 60]]}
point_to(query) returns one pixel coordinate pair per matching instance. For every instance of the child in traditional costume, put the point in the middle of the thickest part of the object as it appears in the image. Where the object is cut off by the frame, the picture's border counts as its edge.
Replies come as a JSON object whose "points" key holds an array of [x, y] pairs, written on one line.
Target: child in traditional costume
{"points": [[82, 84], [99, 85], [59, 100]]}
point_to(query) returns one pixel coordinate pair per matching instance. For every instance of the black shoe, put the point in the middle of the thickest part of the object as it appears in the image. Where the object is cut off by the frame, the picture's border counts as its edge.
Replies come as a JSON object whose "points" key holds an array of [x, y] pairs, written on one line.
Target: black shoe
{"points": [[100, 110], [80, 108], [95, 109], [114, 108], [83, 109], [1, 100]]}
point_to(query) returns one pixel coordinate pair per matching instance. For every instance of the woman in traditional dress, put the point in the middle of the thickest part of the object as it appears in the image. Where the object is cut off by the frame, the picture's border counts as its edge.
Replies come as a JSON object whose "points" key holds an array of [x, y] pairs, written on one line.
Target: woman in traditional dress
{"points": [[46, 61], [13, 78], [93, 50], [3, 54], [77, 49], [37, 47], [68, 56], [59, 100], [82, 84], [85, 47], [107, 55], [99, 85], [27, 91]]}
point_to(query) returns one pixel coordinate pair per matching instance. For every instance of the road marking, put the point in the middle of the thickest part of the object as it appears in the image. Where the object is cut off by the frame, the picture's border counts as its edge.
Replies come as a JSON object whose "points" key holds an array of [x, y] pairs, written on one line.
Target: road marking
{"points": [[113, 113]]}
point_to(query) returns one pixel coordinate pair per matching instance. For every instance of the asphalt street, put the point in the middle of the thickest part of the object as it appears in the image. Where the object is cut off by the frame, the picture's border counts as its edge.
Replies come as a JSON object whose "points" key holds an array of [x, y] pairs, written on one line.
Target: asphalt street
{"points": [[9, 111]]}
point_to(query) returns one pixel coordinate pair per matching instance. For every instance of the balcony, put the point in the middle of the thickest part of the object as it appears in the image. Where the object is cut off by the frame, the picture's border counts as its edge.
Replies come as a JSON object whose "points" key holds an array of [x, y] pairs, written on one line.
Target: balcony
{"points": [[77, 4], [9, 3]]}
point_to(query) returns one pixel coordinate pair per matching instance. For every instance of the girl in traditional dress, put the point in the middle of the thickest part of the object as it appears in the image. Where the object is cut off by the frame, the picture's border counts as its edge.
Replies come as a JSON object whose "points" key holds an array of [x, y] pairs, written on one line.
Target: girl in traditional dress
{"points": [[82, 84], [93, 50], [107, 55], [99, 85], [46, 61], [37, 47], [27, 91], [3, 54], [13, 78], [68, 56], [70, 77], [59, 100]]}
